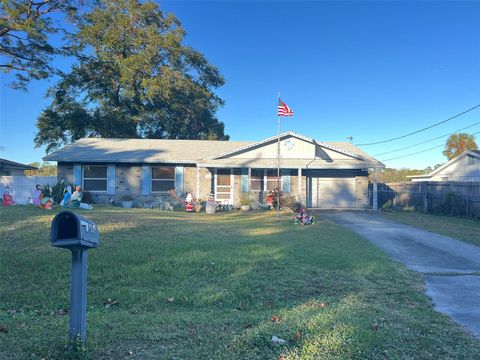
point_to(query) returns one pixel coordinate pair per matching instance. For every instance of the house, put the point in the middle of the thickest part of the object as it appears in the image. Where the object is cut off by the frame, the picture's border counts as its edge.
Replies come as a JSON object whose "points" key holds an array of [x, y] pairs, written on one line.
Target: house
{"points": [[318, 174], [12, 168], [464, 167]]}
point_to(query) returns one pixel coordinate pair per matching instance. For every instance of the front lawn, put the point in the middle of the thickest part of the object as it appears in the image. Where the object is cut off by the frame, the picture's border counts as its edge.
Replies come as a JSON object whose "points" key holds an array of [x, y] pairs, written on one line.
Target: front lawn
{"points": [[192, 286], [467, 230]]}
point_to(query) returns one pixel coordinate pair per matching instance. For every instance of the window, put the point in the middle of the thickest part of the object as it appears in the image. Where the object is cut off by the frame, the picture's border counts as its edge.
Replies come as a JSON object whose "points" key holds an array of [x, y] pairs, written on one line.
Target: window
{"points": [[256, 180], [95, 178], [470, 160], [272, 180], [163, 178]]}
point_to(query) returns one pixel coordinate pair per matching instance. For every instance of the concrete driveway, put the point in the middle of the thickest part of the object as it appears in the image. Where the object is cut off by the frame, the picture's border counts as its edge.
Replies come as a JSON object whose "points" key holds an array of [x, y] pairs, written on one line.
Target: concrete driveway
{"points": [[451, 267]]}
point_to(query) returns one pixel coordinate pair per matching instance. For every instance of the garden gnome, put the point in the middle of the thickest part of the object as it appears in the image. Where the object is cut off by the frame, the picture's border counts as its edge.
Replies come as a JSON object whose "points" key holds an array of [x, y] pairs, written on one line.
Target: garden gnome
{"points": [[36, 195]]}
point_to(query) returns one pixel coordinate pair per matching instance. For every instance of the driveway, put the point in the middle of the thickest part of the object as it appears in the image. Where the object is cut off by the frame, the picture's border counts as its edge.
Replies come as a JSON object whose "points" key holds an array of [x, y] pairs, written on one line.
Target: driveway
{"points": [[451, 267]]}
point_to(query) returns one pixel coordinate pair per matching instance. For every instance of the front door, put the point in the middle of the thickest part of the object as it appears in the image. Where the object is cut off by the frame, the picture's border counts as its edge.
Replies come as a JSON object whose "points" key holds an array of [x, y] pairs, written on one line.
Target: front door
{"points": [[224, 185]]}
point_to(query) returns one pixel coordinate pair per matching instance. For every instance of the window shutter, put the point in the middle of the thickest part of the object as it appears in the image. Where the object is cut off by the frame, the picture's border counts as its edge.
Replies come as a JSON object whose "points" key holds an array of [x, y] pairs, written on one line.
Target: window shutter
{"points": [[111, 179], [146, 174], [77, 175], [286, 181], [244, 180], [179, 179]]}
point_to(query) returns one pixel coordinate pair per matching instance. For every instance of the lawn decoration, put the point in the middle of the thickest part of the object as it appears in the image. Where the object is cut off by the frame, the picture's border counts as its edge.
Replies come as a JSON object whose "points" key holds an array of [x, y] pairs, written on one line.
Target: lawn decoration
{"points": [[76, 200], [67, 197], [211, 204], [189, 203], [46, 202], [302, 218], [7, 198], [36, 195]]}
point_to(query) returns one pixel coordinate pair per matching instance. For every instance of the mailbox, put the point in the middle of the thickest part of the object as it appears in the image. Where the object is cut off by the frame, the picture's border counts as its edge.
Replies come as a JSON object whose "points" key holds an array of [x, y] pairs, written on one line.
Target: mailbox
{"points": [[70, 230]]}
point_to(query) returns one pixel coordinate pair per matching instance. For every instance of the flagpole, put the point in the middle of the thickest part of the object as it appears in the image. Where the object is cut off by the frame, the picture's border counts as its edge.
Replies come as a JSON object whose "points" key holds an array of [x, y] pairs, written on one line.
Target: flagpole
{"points": [[278, 163]]}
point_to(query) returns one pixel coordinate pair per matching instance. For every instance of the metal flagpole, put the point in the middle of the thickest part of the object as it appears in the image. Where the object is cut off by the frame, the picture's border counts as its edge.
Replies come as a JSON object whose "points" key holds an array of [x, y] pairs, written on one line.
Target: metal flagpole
{"points": [[278, 162]]}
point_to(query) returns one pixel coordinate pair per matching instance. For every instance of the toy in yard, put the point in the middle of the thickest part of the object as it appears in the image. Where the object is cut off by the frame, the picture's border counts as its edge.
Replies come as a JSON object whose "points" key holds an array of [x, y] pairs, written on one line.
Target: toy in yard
{"points": [[302, 217], [7, 198], [189, 203], [67, 197], [36, 195]]}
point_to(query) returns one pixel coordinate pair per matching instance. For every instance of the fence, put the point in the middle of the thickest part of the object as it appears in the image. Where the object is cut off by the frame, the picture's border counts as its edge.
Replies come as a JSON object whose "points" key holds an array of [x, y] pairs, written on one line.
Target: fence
{"points": [[21, 187], [432, 196]]}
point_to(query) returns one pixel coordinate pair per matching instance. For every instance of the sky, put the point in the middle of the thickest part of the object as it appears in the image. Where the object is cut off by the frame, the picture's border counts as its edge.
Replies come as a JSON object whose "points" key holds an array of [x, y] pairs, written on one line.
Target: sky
{"points": [[371, 70]]}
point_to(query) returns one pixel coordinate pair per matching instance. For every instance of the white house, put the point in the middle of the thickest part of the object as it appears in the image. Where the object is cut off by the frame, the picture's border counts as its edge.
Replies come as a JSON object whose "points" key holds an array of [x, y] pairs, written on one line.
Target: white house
{"points": [[464, 167]]}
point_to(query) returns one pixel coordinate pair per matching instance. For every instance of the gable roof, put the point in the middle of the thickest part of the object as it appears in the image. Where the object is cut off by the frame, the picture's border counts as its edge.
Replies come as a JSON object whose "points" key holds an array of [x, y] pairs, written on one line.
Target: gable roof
{"points": [[331, 146], [475, 153]]}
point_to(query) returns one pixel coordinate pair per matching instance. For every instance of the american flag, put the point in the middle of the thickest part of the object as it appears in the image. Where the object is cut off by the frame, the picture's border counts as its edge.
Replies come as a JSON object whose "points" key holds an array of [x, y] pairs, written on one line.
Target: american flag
{"points": [[283, 109]]}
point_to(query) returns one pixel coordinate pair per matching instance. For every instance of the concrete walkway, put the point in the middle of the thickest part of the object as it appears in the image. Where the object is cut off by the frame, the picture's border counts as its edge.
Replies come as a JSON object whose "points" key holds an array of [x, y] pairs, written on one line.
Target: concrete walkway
{"points": [[451, 267]]}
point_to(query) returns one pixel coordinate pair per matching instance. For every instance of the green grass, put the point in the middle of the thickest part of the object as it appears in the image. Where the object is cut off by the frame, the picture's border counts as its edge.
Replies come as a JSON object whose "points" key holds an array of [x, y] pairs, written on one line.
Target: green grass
{"points": [[467, 230], [228, 275]]}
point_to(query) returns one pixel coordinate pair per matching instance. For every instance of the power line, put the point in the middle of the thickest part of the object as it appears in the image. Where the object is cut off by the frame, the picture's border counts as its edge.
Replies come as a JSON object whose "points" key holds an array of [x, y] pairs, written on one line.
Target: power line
{"points": [[416, 132], [419, 152], [427, 141]]}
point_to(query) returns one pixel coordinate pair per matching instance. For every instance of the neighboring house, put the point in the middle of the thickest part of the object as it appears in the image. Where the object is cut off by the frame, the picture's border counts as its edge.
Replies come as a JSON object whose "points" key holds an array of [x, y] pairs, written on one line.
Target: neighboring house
{"points": [[464, 167], [12, 168], [317, 174]]}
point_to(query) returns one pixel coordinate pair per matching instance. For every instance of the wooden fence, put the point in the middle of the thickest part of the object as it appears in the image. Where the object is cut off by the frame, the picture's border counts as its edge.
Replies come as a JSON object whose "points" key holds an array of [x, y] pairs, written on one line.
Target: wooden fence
{"points": [[21, 187], [431, 196]]}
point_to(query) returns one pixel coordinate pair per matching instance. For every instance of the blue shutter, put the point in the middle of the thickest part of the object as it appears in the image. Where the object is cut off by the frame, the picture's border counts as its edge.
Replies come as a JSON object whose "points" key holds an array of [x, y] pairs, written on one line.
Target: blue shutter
{"points": [[244, 180], [111, 179], [179, 179], [77, 175], [146, 174], [286, 180]]}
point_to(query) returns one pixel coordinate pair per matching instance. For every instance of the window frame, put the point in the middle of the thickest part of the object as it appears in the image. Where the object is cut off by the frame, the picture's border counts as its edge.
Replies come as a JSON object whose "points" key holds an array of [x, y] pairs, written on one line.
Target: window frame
{"points": [[152, 180], [90, 178]]}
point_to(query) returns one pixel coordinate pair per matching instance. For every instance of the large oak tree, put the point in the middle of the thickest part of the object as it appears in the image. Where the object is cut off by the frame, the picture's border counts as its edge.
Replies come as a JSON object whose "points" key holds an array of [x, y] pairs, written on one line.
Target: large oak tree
{"points": [[134, 77]]}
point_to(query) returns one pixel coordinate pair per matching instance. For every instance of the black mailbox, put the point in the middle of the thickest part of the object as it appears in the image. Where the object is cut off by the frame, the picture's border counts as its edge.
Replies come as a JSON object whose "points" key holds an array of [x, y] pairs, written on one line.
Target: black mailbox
{"points": [[70, 230]]}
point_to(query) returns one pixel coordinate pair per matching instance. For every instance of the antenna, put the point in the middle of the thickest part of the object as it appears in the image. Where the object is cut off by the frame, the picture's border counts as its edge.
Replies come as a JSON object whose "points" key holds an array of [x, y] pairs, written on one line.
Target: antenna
{"points": [[349, 138]]}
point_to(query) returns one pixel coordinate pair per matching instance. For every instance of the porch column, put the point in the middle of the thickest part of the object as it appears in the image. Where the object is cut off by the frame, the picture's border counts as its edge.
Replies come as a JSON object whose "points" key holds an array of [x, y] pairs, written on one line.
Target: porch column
{"points": [[375, 192], [198, 183], [299, 186]]}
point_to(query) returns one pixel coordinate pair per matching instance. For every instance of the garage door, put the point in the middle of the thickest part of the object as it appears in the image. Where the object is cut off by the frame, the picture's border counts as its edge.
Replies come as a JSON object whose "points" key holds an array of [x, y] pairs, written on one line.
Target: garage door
{"points": [[332, 192]]}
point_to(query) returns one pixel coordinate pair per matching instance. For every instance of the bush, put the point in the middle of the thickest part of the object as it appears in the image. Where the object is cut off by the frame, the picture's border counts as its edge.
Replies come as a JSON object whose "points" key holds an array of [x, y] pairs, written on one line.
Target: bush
{"points": [[56, 191], [452, 205]]}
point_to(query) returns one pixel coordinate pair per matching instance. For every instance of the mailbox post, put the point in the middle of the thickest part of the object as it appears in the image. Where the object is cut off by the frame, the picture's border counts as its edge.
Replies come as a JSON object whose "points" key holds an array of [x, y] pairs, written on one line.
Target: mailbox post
{"points": [[77, 234]]}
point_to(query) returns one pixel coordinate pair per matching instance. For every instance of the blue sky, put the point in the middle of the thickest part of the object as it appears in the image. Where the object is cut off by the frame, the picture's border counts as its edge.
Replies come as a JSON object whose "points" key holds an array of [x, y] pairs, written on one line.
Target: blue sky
{"points": [[371, 70]]}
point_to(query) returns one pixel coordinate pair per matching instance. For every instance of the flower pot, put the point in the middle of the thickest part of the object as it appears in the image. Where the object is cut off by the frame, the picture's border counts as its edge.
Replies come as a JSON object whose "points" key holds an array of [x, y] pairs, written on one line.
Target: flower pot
{"points": [[245, 207], [126, 203]]}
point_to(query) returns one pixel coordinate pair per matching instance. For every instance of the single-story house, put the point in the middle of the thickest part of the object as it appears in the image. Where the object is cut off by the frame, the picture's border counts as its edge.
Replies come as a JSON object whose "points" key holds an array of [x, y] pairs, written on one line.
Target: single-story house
{"points": [[318, 174], [12, 168], [464, 167]]}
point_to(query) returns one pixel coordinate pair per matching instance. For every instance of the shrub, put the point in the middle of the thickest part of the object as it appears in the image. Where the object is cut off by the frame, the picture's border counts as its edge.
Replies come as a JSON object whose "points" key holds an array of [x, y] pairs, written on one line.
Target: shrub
{"points": [[56, 191], [452, 205]]}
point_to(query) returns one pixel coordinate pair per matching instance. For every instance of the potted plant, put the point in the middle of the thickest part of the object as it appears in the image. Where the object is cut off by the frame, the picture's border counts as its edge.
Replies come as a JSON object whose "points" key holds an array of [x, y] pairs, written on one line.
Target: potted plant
{"points": [[245, 202], [126, 201]]}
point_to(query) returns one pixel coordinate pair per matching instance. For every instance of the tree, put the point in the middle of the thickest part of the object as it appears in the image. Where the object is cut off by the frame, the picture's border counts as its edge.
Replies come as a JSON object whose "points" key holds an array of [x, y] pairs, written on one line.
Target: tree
{"points": [[25, 27], [458, 143], [133, 78], [44, 169]]}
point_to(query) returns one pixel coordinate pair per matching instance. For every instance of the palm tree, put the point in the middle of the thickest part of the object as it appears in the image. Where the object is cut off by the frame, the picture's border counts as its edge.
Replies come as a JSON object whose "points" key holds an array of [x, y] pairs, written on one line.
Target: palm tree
{"points": [[458, 143]]}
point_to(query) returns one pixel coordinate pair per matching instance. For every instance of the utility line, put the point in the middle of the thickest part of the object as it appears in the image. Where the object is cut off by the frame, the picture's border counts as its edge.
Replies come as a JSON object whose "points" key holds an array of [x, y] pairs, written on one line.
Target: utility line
{"points": [[419, 152], [427, 141], [416, 132]]}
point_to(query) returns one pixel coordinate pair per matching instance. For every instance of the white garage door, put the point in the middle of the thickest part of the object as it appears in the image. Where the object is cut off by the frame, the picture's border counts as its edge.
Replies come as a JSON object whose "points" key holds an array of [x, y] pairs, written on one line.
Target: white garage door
{"points": [[332, 192]]}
